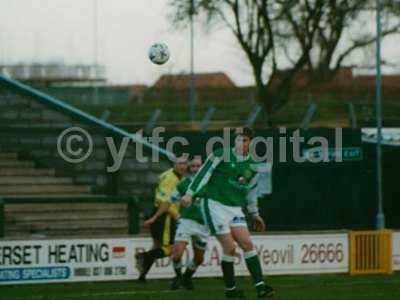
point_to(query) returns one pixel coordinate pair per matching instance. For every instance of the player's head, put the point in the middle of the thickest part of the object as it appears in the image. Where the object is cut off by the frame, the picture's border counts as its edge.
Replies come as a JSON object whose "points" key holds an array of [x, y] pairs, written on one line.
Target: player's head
{"points": [[181, 165], [243, 138], [195, 164]]}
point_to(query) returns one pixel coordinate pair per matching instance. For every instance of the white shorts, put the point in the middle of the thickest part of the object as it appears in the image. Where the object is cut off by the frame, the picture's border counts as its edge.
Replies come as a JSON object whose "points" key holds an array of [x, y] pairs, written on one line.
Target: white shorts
{"points": [[189, 230], [220, 218]]}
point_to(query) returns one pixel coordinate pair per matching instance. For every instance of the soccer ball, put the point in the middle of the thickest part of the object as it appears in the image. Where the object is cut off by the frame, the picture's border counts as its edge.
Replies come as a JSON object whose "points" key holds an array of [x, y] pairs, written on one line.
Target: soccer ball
{"points": [[159, 53]]}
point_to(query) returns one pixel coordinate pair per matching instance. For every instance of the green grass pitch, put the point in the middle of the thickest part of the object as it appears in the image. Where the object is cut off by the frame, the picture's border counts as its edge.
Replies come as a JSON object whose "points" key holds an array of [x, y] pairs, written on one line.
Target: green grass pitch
{"points": [[307, 287]]}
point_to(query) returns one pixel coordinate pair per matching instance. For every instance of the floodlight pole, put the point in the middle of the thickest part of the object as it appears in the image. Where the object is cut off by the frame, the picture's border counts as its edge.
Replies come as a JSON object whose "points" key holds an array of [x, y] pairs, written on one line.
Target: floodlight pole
{"points": [[95, 49], [192, 104], [380, 217]]}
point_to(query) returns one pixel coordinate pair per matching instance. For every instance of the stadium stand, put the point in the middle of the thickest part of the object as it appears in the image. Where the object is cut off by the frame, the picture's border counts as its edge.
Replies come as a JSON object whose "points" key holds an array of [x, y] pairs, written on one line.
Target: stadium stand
{"points": [[18, 178], [41, 194]]}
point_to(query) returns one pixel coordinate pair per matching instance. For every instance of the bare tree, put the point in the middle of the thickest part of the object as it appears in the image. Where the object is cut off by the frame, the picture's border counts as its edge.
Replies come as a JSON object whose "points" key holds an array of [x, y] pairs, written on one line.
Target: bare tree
{"points": [[254, 24], [340, 17], [309, 32]]}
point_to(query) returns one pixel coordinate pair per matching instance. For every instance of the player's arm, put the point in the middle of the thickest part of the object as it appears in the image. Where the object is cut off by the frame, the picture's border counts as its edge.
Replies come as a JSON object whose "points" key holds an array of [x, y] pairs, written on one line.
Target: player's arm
{"points": [[163, 207], [174, 199], [175, 196], [252, 204], [162, 197], [202, 176]]}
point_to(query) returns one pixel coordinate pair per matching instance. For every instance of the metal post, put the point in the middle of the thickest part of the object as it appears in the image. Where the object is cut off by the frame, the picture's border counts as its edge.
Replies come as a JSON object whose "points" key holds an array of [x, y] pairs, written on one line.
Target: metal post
{"points": [[253, 115], [192, 100], [206, 119], [151, 123], [380, 217], [133, 216], [3, 60], [352, 115], [95, 50], [105, 115], [312, 108]]}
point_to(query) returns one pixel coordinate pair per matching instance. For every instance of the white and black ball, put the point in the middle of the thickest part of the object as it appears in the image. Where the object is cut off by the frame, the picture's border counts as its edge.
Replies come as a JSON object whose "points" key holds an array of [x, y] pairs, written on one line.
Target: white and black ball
{"points": [[159, 53]]}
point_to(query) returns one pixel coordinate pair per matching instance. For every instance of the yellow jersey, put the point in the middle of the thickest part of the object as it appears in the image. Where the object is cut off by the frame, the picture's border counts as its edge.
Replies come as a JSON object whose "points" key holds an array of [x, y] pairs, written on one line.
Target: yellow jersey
{"points": [[167, 183]]}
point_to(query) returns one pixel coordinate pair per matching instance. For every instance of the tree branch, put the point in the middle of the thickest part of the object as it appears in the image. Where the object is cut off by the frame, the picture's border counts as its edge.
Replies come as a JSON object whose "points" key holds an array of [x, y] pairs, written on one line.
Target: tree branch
{"points": [[362, 43]]}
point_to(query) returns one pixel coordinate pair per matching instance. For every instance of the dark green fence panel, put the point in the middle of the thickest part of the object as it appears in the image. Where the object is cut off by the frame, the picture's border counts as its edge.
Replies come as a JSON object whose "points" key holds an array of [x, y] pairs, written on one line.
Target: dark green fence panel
{"points": [[307, 196], [391, 186]]}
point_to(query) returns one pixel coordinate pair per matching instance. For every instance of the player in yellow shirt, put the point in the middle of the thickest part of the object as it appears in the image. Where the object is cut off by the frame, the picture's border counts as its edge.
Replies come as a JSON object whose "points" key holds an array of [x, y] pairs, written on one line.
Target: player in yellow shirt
{"points": [[163, 220]]}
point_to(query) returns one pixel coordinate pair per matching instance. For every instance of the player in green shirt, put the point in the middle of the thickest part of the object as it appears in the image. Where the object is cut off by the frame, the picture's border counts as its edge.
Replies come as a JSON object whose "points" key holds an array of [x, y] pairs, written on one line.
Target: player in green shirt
{"points": [[228, 181], [191, 227]]}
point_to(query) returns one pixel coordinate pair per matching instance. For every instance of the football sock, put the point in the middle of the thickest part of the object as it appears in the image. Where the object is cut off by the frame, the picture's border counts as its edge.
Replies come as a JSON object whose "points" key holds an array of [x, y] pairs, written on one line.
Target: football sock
{"points": [[178, 267], [150, 257], [254, 267], [228, 272], [190, 270]]}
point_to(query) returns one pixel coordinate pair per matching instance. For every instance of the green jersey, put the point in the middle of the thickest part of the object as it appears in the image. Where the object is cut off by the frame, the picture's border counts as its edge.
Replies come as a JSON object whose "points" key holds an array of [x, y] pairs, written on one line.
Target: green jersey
{"points": [[194, 211], [227, 178]]}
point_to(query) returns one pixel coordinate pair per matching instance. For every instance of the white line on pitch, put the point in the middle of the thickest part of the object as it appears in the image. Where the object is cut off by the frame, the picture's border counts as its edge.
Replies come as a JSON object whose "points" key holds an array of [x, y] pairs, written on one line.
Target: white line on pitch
{"points": [[116, 293]]}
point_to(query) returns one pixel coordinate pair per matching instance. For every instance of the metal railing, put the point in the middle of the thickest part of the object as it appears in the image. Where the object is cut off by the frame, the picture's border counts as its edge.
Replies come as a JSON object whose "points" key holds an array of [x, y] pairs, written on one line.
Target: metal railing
{"points": [[77, 114]]}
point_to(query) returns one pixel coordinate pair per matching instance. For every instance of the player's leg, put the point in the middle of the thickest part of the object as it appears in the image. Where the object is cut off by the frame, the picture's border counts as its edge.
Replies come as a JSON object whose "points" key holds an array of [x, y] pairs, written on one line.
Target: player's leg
{"points": [[217, 219], [156, 243], [142, 260], [241, 235], [143, 263], [228, 266], [160, 231], [199, 246], [181, 239], [228, 247], [177, 251]]}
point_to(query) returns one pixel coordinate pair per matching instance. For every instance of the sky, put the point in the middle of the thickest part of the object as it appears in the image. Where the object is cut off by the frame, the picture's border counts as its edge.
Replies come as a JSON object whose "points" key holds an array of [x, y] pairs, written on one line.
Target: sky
{"points": [[64, 31]]}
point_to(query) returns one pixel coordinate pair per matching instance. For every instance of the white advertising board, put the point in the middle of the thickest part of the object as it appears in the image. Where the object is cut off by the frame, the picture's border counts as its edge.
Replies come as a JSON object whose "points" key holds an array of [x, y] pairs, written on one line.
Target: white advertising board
{"points": [[39, 261], [279, 254], [396, 250], [36, 261]]}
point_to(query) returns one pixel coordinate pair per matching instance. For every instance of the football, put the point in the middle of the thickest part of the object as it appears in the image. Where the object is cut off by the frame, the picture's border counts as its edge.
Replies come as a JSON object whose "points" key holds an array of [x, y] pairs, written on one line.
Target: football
{"points": [[159, 53]]}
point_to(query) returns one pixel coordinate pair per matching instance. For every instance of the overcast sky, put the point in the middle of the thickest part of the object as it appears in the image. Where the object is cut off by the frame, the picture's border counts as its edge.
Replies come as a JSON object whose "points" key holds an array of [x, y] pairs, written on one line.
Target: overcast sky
{"points": [[63, 31]]}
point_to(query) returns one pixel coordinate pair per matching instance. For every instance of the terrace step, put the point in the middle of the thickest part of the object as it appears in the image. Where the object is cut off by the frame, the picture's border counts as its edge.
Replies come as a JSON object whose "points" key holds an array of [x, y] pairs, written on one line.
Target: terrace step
{"points": [[60, 207], [14, 180], [10, 190], [8, 155], [26, 172], [62, 233], [55, 196], [16, 164], [66, 215], [69, 225]]}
